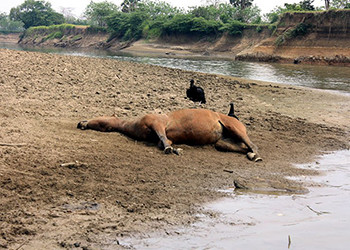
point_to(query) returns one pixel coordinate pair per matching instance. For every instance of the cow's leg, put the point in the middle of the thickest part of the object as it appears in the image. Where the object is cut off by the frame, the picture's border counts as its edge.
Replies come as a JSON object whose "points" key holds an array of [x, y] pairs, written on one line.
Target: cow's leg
{"points": [[239, 147], [224, 145], [252, 153], [157, 123], [231, 146], [164, 142], [237, 134], [103, 124]]}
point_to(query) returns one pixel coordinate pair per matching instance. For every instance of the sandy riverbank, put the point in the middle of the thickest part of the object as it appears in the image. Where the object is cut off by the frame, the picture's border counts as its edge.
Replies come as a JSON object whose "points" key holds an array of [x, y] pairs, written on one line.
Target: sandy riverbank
{"points": [[124, 186]]}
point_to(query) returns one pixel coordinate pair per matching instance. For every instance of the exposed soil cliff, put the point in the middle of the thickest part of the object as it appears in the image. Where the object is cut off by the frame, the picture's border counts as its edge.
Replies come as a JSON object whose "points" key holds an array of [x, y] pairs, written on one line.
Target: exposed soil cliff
{"points": [[315, 37], [225, 46], [77, 37]]}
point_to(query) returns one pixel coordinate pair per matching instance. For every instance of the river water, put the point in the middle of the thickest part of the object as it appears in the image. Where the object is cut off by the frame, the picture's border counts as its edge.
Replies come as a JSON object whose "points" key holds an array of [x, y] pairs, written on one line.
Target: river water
{"points": [[320, 77], [316, 220]]}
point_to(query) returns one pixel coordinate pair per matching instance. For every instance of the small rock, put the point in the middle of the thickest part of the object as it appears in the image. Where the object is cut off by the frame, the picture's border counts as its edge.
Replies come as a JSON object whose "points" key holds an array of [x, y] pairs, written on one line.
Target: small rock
{"points": [[239, 185]]}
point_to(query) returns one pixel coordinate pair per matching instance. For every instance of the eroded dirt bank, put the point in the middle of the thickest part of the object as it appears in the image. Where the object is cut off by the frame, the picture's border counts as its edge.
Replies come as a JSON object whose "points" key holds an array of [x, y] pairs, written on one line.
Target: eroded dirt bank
{"points": [[122, 186], [306, 37]]}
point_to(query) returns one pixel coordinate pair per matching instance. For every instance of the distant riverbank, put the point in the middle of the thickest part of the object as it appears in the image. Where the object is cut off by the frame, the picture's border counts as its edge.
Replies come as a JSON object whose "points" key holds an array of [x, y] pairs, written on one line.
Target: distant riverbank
{"points": [[320, 38]]}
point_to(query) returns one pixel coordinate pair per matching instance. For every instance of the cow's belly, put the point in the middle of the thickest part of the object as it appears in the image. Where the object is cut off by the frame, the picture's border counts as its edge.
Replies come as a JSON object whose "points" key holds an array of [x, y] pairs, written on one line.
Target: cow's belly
{"points": [[196, 127]]}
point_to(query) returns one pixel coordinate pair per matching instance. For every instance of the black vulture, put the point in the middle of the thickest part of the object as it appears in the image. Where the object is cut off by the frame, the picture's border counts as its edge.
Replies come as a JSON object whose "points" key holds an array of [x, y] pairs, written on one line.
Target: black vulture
{"points": [[195, 93]]}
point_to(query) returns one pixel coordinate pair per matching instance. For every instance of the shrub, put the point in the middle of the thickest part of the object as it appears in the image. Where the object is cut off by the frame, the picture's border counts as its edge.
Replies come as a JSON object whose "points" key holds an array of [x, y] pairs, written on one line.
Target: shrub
{"points": [[96, 29], [151, 31], [127, 26], [179, 24], [64, 28], [234, 27], [53, 35], [300, 29], [203, 26]]}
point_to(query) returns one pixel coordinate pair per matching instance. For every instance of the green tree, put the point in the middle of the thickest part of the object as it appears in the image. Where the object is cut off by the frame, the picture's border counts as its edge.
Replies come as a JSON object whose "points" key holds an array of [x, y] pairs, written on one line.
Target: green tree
{"points": [[36, 13], [206, 27], [127, 26], [7, 25], [210, 12], [129, 5], [241, 3], [340, 4], [301, 6], [179, 24], [157, 14], [234, 27], [306, 5], [156, 9], [151, 19], [227, 12], [246, 12], [249, 15], [189, 24], [97, 13]]}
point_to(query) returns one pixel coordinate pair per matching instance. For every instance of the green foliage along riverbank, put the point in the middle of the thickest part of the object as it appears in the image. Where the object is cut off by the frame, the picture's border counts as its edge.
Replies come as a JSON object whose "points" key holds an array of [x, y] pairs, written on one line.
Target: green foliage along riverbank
{"points": [[155, 19], [148, 19]]}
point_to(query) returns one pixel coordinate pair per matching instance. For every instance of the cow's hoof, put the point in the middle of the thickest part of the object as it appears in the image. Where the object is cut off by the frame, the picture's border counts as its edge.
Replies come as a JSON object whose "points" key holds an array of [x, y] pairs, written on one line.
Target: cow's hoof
{"points": [[177, 151], [257, 159], [82, 125], [254, 157], [168, 150]]}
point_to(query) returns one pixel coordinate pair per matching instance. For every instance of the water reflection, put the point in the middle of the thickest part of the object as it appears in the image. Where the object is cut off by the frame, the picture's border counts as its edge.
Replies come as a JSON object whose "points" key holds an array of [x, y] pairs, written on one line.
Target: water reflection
{"points": [[320, 77]]}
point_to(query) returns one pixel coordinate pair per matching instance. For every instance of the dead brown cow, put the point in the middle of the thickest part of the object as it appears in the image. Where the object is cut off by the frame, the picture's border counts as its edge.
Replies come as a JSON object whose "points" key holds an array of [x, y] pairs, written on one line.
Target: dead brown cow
{"points": [[186, 126]]}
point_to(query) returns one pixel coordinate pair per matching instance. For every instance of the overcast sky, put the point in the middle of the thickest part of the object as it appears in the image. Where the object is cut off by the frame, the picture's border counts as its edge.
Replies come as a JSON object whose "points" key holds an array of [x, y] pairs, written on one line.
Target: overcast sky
{"points": [[78, 6]]}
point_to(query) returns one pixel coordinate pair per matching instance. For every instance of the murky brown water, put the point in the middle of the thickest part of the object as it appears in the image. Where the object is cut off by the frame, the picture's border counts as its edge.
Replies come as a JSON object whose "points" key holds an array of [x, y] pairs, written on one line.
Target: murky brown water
{"points": [[319, 219]]}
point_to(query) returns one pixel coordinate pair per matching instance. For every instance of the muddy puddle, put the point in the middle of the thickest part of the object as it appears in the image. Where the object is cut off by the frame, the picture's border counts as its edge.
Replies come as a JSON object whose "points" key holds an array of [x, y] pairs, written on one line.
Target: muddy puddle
{"points": [[319, 219]]}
